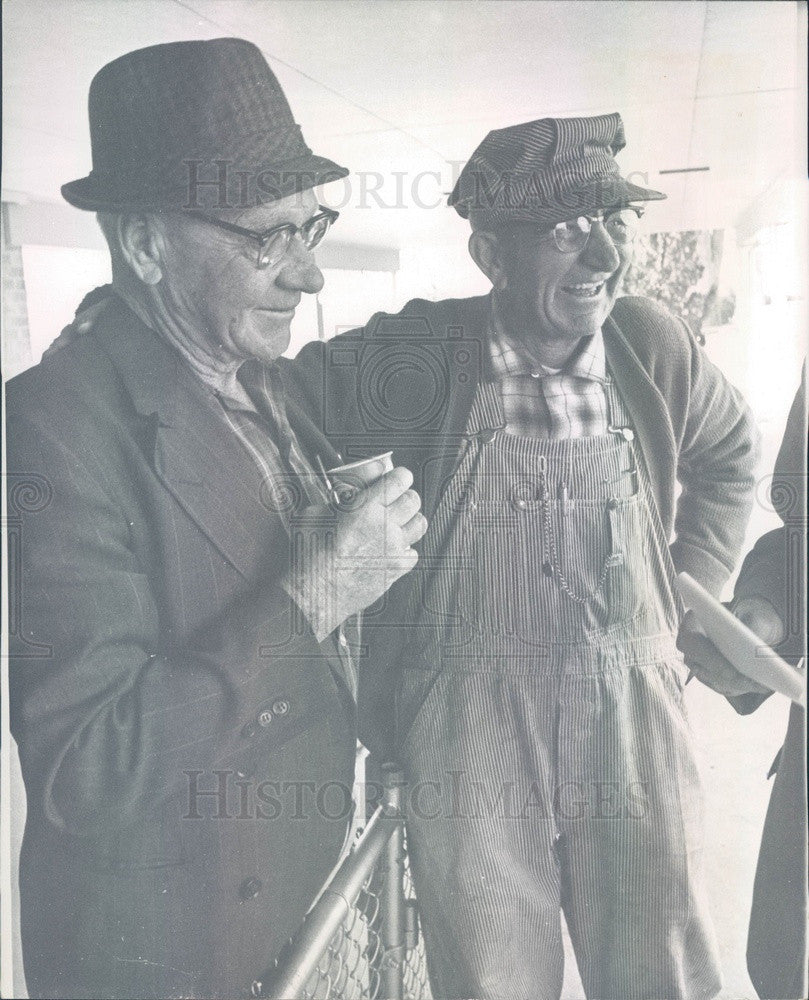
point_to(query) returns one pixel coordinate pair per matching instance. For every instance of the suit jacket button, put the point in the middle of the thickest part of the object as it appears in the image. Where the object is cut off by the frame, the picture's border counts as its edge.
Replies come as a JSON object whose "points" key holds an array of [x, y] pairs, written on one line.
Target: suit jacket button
{"points": [[249, 731], [265, 717], [280, 707], [250, 888]]}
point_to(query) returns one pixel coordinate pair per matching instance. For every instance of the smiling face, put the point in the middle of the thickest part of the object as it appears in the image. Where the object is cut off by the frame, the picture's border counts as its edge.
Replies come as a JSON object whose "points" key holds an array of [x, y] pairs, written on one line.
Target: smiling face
{"points": [[550, 300], [223, 308]]}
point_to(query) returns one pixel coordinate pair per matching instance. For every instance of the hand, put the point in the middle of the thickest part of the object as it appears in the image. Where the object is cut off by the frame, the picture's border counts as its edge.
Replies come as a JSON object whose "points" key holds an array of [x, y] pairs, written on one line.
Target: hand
{"points": [[347, 559], [706, 662], [82, 323]]}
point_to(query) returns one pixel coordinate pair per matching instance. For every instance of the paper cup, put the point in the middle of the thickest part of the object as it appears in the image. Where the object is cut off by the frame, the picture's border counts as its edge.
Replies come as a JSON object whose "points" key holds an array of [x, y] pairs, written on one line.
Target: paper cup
{"points": [[349, 479]]}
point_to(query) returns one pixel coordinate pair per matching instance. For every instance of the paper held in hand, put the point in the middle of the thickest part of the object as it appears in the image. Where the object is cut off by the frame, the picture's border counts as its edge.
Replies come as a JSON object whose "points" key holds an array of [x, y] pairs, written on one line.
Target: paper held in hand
{"points": [[741, 646]]}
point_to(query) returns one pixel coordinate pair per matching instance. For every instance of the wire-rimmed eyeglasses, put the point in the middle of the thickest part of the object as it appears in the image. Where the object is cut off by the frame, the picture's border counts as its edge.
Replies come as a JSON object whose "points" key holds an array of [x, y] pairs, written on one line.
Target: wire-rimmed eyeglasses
{"points": [[273, 243], [621, 225]]}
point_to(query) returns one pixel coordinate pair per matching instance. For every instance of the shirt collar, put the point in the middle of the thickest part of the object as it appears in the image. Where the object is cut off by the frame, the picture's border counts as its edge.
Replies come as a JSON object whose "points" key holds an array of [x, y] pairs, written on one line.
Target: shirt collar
{"points": [[589, 362]]}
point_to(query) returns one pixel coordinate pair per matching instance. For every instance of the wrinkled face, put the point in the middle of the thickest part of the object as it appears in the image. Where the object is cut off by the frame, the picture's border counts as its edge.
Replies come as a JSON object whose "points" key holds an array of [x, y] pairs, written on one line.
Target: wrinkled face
{"points": [[226, 309], [558, 297]]}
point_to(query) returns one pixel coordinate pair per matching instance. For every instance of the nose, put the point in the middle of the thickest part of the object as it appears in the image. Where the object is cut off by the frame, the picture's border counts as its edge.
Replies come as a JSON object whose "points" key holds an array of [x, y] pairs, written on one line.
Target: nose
{"points": [[299, 272], [600, 254]]}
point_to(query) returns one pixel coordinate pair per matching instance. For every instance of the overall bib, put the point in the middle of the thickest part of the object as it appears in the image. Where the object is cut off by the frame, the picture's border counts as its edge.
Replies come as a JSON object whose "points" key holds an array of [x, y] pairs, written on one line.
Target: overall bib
{"points": [[542, 729]]}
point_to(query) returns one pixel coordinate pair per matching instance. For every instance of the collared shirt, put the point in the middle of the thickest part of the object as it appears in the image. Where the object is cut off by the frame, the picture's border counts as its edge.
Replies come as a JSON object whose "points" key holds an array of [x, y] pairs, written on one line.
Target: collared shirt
{"points": [[260, 423], [552, 403]]}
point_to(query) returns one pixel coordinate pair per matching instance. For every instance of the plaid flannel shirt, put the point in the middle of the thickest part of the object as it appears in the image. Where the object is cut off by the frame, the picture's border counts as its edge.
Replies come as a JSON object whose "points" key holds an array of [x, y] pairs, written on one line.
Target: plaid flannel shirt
{"points": [[547, 403], [260, 423]]}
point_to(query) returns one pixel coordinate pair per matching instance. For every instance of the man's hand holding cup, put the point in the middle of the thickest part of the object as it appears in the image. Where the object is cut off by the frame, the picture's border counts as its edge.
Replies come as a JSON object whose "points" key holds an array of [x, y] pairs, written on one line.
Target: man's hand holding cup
{"points": [[348, 553]]}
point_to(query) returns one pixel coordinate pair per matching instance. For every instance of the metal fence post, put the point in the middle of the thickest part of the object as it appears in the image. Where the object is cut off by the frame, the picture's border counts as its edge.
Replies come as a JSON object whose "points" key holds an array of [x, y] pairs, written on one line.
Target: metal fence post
{"points": [[393, 930]]}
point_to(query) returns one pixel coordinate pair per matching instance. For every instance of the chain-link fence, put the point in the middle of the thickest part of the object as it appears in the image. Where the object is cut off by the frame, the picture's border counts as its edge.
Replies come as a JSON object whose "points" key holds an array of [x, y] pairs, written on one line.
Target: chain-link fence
{"points": [[362, 937], [415, 985]]}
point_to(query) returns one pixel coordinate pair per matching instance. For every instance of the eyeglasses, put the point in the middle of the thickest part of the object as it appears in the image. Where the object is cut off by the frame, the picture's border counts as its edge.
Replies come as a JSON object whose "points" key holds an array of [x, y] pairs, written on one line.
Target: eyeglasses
{"points": [[621, 225], [274, 243]]}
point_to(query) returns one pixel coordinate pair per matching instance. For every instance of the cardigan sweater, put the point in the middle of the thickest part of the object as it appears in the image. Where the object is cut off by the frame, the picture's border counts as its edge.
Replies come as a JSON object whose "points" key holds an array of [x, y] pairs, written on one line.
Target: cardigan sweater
{"points": [[406, 382]]}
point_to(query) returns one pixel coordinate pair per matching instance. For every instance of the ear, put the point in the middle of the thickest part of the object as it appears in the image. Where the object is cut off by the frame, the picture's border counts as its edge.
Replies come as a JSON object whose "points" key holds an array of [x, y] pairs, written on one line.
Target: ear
{"points": [[484, 249], [141, 246]]}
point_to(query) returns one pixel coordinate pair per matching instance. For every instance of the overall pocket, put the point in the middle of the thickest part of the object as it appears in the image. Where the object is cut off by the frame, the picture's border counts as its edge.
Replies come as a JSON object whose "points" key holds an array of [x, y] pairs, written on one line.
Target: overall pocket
{"points": [[627, 585], [602, 558]]}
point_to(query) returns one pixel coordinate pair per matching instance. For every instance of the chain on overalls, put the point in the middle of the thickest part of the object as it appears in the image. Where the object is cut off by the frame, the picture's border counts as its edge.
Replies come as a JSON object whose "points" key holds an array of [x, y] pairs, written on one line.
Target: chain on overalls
{"points": [[542, 728]]}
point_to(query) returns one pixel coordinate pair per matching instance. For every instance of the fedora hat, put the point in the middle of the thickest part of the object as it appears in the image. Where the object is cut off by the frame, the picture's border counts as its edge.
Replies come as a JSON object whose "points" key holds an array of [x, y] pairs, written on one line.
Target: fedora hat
{"points": [[191, 125], [547, 171]]}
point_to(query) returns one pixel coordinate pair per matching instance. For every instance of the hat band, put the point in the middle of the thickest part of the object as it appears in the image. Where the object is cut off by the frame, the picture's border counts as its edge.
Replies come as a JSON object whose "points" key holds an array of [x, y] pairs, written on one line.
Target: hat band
{"points": [[212, 185]]}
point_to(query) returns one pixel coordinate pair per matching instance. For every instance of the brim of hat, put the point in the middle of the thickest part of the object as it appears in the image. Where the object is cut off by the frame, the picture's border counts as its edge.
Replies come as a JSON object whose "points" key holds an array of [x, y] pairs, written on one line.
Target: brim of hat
{"points": [[94, 194], [604, 193], [601, 196], [609, 193], [633, 192]]}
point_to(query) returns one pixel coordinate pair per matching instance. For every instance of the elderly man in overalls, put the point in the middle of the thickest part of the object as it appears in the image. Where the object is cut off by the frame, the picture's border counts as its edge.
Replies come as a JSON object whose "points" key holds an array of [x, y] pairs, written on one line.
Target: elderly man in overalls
{"points": [[538, 684]]}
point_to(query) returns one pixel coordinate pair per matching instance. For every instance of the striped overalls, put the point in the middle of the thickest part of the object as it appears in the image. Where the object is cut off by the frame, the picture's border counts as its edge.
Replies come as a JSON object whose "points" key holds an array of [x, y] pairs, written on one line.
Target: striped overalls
{"points": [[541, 725]]}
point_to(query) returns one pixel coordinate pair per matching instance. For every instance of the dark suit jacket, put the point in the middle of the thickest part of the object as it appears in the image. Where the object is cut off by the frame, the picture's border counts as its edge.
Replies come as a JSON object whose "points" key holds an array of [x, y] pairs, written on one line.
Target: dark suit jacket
{"points": [[156, 658], [775, 569], [407, 381]]}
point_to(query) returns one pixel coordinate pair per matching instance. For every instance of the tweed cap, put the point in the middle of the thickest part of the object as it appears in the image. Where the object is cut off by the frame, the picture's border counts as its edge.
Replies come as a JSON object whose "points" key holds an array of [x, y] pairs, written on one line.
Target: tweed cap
{"points": [[199, 124], [546, 171]]}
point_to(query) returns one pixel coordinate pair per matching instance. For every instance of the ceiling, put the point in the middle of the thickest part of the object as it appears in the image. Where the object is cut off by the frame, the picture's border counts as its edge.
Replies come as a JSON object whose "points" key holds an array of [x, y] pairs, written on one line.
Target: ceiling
{"points": [[402, 92]]}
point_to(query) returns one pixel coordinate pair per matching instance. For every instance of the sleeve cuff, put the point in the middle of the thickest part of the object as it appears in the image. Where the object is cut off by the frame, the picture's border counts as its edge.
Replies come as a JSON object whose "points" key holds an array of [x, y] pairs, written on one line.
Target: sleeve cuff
{"points": [[701, 565]]}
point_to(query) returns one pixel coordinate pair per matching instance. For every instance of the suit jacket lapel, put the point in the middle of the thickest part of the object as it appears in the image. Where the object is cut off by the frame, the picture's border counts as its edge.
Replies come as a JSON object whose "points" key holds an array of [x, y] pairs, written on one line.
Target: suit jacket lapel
{"points": [[195, 453], [214, 479]]}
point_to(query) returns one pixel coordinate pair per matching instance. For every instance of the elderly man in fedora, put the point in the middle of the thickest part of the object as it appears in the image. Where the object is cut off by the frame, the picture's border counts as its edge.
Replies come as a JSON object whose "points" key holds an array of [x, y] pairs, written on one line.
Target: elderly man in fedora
{"points": [[182, 688], [532, 656]]}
